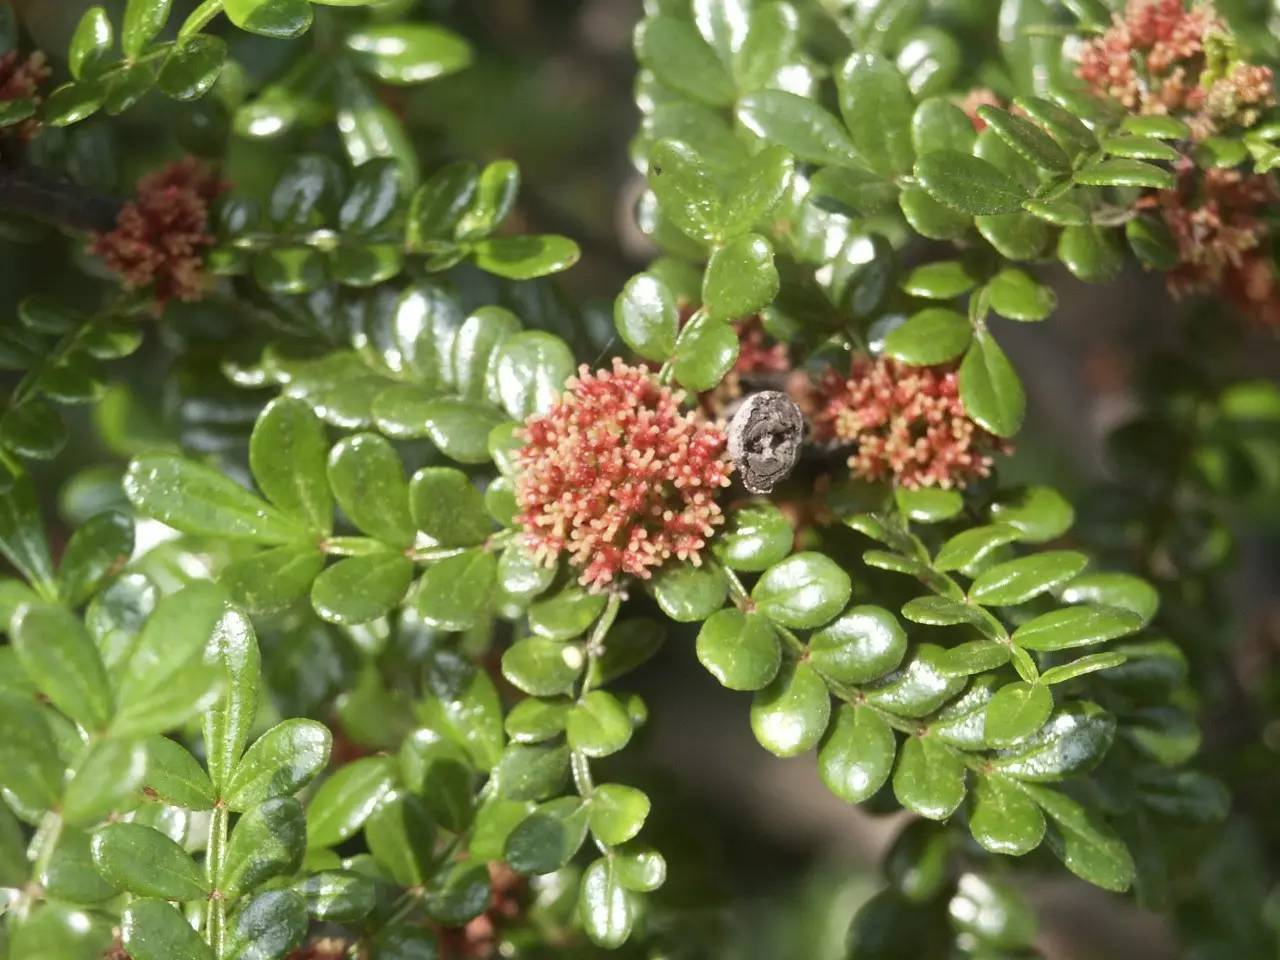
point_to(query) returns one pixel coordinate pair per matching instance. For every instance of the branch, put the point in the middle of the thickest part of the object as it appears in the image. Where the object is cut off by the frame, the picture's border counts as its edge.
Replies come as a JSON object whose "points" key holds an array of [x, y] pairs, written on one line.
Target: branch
{"points": [[57, 201]]}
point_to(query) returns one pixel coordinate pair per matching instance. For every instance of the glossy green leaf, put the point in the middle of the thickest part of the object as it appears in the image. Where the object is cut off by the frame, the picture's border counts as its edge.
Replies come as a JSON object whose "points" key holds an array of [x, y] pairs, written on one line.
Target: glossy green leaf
{"points": [[368, 483], [756, 536], [73, 102], [1017, 581], [460, 428], [1016, 296], [521, 577], [1038, 514], [741, 278], [529, 372], [805, 590], [918, 688], [537, 720], [268, 925], [287, 453], [1074, 739], [803, 127], [1016, 711], [30, 768], [279, 763], [408, 52], [91, 43], [687, 593], [941, 280], [532, 771], [192, 67], [1087, 847], [143, 19], [1070, 132], [863, 643], [931, 336], [856, 754], [338, 896], [929, 779], [604, 905], [347, 799], [672, 49], [274, 578], [705, 351], [439, 770], [1090, 663], [1091, 253], [361, 589], [617, 812], [548, 838], [566, 613], [931, 219], [525, 257], [877, 108], [448, 508], [155, 930], [401, 836], [989, 387], [789, 716], [175, 777], [1121, 590], [58, 654], [94, 554], [1026, 139], [69, 875], [455, 593], [33, 429], [541, 667], [1120, 172], [739, 649], [147, 863], [268, 841], [646, 317], [278, 19], [1004, 819], [1076, 627], [598, 725], [968, 184]]}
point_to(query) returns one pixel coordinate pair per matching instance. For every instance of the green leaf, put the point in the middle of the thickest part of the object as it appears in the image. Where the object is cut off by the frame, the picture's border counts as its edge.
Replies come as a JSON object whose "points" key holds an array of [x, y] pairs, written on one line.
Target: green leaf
{"points": [[532, 771], [647, 317], [929, 778], [752, 190], [789, 716], [863, 643], [535, 720], [548, 838], [938, 124], [155, 930], [1124, 173], [347, 799], [33, 429], [801, 126], [448, 508], [1016, 296], [278, 19], [1016, 711], [918, 688], [942, 280], [57, 653], [1068, 129], [990, 388], [271, 580], [1121, 590], [408, 52], [1037, 514], [1075, 738], [617, 812], [105, 780], [495, 196], [598, 725], [1026, 139], [687, 593], [1079, 838], [90, 48], [30, 767], [741, 278], [440, 771], [852, 190], [369, 128], [338, 896], [1090, 663], [475, 345], [541, 667], [455, 593], [565, 614], [1076, 627], [756, 536], [968, 184], [73, 102], [143, 19], [627, 645], [94, 554], [197, 499], [929, 218], [22, 539], [705, 351], [234, 648], [521, 577], [267, 842], [460, 428], [686, 189], [857, 754], [361, 589], [529, 372], [70, 875], [368, 482], [1139, 148], [175, 777], [525, 257], [1017, 236], [877, 107], [1017, 581], [1152, 242], [1004, 819], [278, 764], [267, 926], [170, 676], [287, 453], [672, 49], [192, 67], [1092, 254], [739, 649], [147, 863], [805, 590], [928, 504], [640, 868], [604, 905], [931, 336]]}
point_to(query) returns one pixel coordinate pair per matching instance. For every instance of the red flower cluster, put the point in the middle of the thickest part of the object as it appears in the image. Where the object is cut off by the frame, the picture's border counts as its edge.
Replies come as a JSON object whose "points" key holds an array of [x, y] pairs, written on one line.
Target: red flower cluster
{"points": [[908, 423], [161, 235], [615, 475], [1216, 217], [1161, 58], [21, 80]]}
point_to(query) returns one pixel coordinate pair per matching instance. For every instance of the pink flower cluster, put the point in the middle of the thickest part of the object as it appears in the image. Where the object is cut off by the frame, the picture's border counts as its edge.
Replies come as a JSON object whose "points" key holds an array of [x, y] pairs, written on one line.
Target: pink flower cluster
{"points": [[161, 235], [20, 79], [1162, 58], [908, 424], [1216, 217], [975, 98], [618, 477]]}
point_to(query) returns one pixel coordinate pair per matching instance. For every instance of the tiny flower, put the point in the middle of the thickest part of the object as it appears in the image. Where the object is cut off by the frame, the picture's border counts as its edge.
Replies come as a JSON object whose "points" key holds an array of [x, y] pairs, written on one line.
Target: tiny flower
{"points": [[161, 235], [1161, 58], [20, 79], [617, 477], [907, 423], [975, 98]]}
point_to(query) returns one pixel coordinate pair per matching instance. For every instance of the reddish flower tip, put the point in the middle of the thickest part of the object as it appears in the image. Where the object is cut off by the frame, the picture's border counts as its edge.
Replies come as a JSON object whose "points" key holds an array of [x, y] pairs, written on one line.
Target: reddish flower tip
{"points": [[908, 423], [21, 79], [161, 235], [617, 477]]}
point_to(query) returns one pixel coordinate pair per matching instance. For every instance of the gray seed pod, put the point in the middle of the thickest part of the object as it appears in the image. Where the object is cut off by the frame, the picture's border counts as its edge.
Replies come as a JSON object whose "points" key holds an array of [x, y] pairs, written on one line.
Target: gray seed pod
{"points": [[764, 439]]}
